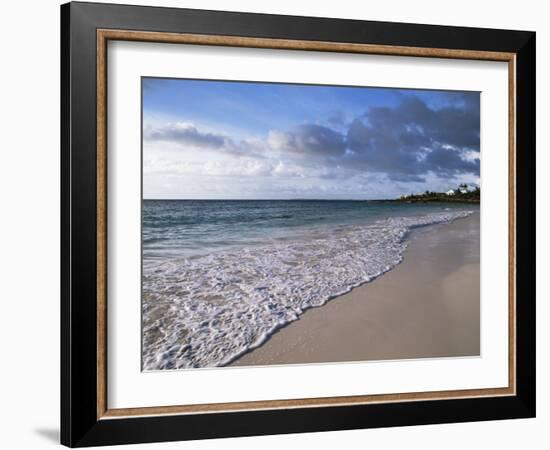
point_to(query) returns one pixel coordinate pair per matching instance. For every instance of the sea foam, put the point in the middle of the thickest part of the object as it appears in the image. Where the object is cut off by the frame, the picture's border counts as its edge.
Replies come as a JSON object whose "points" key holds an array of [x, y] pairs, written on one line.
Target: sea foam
{"points": [[207, 310]]}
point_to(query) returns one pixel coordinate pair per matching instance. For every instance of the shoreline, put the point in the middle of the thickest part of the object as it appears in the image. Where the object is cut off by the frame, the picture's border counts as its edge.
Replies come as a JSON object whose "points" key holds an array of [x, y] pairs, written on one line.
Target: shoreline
{"points": [[415, 310]]}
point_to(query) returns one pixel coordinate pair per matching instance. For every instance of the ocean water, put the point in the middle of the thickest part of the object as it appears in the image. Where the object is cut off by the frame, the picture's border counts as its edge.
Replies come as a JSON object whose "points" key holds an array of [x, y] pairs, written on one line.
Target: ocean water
{"points": [[219, 277]]}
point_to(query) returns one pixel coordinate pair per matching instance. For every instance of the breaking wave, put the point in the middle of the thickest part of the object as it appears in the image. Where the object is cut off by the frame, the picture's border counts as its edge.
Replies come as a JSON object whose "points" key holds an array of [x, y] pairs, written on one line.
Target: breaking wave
{"points": [[207, 310]]}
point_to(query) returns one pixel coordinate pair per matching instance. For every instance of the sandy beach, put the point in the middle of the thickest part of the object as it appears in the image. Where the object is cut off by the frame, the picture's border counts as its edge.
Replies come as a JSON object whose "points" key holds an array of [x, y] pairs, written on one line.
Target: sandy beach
{"points": [[427, 306]]}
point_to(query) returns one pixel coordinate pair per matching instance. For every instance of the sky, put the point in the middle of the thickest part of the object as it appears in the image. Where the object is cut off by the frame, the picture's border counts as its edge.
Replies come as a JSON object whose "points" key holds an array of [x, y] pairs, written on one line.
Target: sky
{"points": [[207, 139]]}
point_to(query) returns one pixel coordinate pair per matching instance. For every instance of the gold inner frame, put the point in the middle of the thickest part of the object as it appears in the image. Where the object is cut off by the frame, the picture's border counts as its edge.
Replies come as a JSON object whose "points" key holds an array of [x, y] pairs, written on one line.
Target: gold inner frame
{"points": [[104, 35]]}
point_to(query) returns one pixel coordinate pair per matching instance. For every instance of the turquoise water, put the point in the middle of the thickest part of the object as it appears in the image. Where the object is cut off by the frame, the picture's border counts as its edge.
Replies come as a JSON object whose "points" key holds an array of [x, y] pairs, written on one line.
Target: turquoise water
{"points": [[219, 277], [173, 228]]}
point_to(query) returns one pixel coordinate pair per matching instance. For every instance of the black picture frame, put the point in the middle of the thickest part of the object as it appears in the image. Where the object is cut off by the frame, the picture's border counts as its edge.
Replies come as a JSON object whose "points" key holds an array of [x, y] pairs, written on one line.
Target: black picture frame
{"points": [[80, 425]]}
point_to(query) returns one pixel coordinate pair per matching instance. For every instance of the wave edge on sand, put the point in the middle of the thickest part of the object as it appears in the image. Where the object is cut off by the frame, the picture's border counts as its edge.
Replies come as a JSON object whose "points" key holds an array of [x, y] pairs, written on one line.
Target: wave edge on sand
{"points": [[209, 310]]}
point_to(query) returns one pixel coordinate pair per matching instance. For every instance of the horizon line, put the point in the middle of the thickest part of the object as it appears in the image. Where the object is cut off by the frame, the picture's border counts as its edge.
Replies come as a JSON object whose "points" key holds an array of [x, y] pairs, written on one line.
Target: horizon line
{"points": [[276, 199]]}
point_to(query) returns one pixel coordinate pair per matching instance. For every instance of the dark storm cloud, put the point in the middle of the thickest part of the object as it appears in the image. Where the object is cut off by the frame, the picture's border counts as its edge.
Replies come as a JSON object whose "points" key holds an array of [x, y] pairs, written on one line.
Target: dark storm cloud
{"points": [[446, 162], [310, 140], [405, 142], [455, 125], [383, 148], [412, 139], [337, 118]]}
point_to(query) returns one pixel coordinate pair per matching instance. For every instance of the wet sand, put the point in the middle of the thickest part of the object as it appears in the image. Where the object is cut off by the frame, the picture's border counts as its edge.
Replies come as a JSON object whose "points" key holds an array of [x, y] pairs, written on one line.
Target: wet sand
{"points": [[428, 306]]}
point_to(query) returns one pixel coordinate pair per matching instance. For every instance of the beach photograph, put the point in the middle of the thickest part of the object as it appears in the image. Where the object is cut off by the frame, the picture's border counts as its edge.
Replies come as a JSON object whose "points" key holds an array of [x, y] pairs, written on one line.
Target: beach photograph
{"points": [[307, 224]]}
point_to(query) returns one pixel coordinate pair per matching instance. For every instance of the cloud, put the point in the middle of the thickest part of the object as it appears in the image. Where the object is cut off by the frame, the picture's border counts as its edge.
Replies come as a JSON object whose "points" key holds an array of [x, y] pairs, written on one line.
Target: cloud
{"points": [[406, 143], [309, 140], [456, 124], [411, 139], [448, 162], [186, 134], [337, 119]]}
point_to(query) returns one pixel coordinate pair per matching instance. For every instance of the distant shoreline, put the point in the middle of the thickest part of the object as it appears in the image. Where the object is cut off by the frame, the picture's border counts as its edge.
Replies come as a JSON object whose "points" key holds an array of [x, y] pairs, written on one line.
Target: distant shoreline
{"points": [[388, 200], [434, 200]]}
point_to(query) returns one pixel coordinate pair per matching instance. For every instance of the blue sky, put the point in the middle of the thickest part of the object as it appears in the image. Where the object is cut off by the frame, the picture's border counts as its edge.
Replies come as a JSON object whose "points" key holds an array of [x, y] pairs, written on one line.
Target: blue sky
{"points": [[220, 139]]}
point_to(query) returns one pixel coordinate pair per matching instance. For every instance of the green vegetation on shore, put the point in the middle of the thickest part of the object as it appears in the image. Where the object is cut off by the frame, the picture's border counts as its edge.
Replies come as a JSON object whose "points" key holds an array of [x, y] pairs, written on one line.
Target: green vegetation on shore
{"points": [[463, 194]]}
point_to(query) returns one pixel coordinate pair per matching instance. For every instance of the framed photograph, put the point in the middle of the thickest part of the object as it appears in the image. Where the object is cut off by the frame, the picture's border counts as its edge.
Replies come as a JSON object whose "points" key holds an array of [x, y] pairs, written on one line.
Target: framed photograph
{"points": [[276, 224]]}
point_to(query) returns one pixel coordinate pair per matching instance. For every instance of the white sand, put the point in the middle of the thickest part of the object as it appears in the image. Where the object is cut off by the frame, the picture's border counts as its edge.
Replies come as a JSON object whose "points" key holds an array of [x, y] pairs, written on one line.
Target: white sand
{"points": [[428, 306]]}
